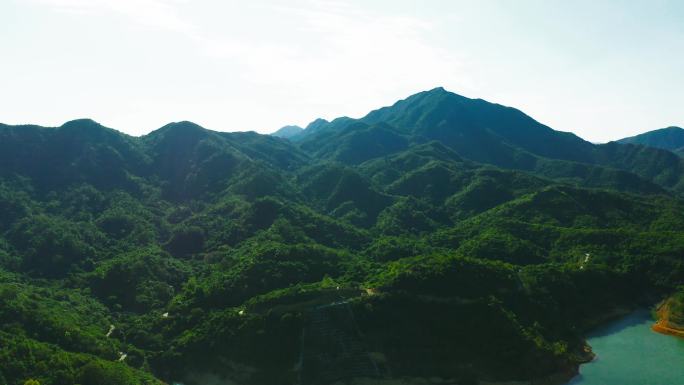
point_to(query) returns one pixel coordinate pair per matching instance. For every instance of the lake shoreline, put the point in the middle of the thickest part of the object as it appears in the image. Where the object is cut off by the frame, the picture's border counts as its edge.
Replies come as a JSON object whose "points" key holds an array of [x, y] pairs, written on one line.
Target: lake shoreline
{"points": [[664, 323], [630, 352], [604, 319]]}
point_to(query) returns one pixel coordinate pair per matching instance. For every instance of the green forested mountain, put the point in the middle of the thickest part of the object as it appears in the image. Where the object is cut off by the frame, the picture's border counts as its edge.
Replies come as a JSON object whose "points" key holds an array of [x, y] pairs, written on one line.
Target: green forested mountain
{"points": [[670, 138], [441, 237], [487, 133]]}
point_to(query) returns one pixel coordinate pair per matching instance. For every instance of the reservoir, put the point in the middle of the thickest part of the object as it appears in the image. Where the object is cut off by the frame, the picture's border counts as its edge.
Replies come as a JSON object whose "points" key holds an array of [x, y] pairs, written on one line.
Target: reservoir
{"points": [[629, 353]]}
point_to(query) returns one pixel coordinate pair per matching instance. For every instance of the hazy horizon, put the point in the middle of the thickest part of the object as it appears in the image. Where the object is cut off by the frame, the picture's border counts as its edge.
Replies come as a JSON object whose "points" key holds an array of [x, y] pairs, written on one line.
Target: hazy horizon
{"points": [[143, 133], [602, 71]]}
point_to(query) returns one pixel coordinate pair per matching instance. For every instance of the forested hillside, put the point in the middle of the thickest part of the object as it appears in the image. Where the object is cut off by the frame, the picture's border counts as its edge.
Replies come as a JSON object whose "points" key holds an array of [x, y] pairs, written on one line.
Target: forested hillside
{"points": [[670, 138], [441, 237]]}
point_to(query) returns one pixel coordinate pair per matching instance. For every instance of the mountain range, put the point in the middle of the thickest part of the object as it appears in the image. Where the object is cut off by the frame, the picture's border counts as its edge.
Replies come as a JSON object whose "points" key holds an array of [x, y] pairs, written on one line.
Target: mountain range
{"points": [[438, 239]]}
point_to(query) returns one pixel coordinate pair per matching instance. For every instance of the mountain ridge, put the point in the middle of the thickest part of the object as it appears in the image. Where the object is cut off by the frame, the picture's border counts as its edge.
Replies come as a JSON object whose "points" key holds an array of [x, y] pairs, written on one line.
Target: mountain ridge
{"points": [[669, 138], [476, 129]]}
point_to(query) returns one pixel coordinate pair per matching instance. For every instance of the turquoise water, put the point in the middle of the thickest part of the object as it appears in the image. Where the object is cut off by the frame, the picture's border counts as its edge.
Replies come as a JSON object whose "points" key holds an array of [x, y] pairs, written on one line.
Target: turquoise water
{"points": [[629, 353]]}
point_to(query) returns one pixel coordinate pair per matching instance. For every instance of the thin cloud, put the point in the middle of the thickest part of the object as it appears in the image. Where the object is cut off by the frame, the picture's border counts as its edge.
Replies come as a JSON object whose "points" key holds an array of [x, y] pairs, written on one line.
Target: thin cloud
{"points": [[155, 14], [361, 55]]}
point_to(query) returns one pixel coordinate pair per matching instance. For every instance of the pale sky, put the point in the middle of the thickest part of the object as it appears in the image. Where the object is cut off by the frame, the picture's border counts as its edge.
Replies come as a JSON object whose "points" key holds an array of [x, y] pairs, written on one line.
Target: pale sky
{"points": [[601, 69]]}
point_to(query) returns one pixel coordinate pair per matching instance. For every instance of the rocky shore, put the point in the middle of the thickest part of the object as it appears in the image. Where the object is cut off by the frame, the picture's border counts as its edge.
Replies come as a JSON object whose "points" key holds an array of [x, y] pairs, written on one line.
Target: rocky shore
{"points": [[669, 322]]}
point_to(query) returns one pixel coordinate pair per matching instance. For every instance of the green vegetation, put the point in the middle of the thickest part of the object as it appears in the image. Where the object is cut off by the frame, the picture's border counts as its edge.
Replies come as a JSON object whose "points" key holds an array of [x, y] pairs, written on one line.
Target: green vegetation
{"points": [[670, 138], [468, 241]]}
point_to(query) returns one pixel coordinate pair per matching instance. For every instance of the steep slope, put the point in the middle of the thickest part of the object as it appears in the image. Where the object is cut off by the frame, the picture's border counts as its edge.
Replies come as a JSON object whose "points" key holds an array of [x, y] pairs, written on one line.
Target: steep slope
{"points": [[471, 125], [342, 192], [195, 161], [660, 166], [357, 143]]}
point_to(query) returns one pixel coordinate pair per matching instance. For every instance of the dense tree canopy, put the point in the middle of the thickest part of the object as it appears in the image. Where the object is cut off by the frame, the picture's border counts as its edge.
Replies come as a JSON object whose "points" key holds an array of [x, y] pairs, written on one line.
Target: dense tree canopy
{"points": [[467, 240]]}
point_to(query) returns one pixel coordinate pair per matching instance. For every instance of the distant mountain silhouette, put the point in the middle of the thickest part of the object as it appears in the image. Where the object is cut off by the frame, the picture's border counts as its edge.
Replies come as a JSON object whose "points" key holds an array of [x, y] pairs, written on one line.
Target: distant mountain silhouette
{"points": [[670, 138], [288, 131]]}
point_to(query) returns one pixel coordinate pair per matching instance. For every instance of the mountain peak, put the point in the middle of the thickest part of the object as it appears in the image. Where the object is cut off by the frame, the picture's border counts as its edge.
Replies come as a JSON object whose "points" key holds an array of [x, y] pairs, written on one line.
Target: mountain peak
{"points": [[183, 126], [415, 105], [288, 131], [84, 123], [85, 128], [179, 128], [183, 132], [316, 124], [437, 90]]}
